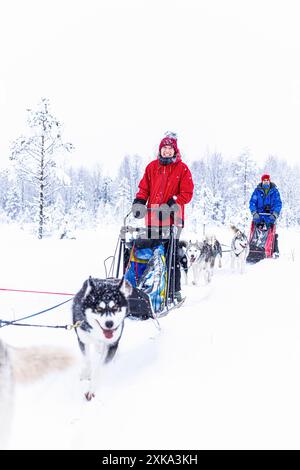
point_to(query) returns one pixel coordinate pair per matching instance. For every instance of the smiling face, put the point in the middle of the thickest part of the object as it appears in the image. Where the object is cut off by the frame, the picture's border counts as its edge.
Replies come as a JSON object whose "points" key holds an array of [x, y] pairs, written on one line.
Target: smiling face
{"points": [[167, 151]]}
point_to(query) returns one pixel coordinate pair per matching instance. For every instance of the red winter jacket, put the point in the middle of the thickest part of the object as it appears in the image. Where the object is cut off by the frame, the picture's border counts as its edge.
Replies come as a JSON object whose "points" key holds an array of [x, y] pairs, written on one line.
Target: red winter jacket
{"points": [[160, 183]]}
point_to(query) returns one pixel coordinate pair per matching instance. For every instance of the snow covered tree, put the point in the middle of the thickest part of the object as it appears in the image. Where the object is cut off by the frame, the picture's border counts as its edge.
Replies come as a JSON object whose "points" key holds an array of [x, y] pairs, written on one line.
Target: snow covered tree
{"points": [[200, 212], [199, 171], [215, 172], [137, 169], [13, 203], [56, 214], [80, 214], [216, 180], [287, 180], [96, 188], [107, 190], [4, 186], [123, 203], [131, 168], [36, 158], [242, 183], [272, 167]]}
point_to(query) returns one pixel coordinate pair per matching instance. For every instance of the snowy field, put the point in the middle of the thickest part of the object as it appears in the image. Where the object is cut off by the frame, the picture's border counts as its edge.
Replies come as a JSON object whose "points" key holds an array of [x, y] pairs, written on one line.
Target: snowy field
{"points": [[223, 372]]}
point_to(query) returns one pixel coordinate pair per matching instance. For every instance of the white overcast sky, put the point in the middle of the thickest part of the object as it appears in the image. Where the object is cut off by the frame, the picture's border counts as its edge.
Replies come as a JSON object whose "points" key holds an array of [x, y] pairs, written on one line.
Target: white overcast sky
{"points": [[223, 74]]}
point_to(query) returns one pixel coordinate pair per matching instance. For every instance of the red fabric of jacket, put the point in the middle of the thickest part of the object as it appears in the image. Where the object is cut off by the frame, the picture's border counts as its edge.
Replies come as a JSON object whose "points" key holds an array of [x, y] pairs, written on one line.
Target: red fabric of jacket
{"points": [[160, 183]]}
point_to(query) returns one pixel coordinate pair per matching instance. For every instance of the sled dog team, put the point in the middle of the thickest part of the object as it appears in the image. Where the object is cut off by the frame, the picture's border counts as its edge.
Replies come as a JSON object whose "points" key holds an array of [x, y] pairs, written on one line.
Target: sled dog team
{"points": [[101, 306], [199, 258]]}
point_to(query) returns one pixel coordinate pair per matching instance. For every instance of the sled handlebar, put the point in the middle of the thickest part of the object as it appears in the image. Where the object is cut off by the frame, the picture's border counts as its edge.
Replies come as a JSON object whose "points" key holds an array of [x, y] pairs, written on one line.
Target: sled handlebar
{"points": [[131, 229], [149, 209], [264, 213]]}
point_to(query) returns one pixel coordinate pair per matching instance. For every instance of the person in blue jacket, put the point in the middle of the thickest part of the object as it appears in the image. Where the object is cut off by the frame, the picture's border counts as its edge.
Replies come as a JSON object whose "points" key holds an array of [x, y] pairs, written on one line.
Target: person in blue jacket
{"points": [[266, 199]]}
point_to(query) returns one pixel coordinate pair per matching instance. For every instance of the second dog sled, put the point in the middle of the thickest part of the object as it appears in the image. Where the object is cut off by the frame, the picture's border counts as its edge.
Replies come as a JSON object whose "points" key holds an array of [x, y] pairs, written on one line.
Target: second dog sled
{"points": [[146, 258], [262, 240]]}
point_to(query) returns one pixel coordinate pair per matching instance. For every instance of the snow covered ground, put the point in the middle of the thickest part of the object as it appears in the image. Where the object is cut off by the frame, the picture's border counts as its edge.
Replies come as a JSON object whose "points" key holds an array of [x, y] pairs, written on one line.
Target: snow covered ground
{"points": [[223, 372]]}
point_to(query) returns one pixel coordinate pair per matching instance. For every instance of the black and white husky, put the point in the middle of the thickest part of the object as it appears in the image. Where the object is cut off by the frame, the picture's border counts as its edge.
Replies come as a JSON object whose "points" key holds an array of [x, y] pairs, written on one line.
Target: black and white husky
{"points": [[182, 258], [24, 365], [216, 250], [239, 250], [202, 257], [100, 308], [195, 264]]}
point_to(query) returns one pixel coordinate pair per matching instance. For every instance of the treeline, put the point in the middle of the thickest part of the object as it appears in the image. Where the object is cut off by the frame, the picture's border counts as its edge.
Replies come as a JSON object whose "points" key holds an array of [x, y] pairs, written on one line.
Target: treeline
{"points": [[38, 189]]}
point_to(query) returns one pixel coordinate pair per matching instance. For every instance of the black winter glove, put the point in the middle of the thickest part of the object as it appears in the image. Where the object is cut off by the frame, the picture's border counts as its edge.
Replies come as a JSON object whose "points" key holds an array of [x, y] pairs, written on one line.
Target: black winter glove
{"points": [[139, 208], [172, 203], [255, 216], [165, 210]]}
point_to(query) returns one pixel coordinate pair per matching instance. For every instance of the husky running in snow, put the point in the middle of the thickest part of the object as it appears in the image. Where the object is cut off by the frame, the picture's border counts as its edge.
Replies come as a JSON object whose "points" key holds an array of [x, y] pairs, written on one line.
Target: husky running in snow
{"points": [[182, 258], [100, 307], [216, 250], [239, 250], [202, 257], [193, 253]]}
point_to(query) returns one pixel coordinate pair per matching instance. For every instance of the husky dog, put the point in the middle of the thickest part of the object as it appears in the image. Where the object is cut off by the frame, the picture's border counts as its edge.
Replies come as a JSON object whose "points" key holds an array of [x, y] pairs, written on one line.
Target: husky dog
{"points": [[210, 251], [202, 257], [199, 256], [24, 365], [216, 249], [193, 253], [100, 307], [182, 258], [239, 250]]}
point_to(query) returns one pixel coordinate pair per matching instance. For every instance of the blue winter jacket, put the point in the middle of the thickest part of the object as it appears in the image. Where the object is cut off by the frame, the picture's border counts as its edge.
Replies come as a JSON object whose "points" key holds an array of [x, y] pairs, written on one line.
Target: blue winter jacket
{"points": [[260, 202]]}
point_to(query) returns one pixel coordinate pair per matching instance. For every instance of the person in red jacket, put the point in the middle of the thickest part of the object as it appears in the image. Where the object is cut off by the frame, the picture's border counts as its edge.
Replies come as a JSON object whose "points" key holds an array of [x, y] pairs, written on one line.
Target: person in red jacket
{"points": [[165, 188]]}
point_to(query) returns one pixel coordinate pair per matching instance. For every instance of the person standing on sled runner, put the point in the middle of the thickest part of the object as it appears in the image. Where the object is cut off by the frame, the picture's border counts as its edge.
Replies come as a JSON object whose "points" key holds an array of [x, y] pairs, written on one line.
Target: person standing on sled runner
{"points": [[266, 199], [165, 188]]}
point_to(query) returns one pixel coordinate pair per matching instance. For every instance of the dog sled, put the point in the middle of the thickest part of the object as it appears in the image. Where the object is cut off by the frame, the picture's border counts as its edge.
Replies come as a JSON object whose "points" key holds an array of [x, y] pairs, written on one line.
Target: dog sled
{"points": [[145, 257], [262, 241]]}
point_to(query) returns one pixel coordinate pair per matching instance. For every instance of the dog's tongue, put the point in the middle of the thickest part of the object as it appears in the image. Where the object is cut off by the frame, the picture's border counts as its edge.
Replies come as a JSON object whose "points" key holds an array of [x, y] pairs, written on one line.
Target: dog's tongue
{"points": [[108, 333]]}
